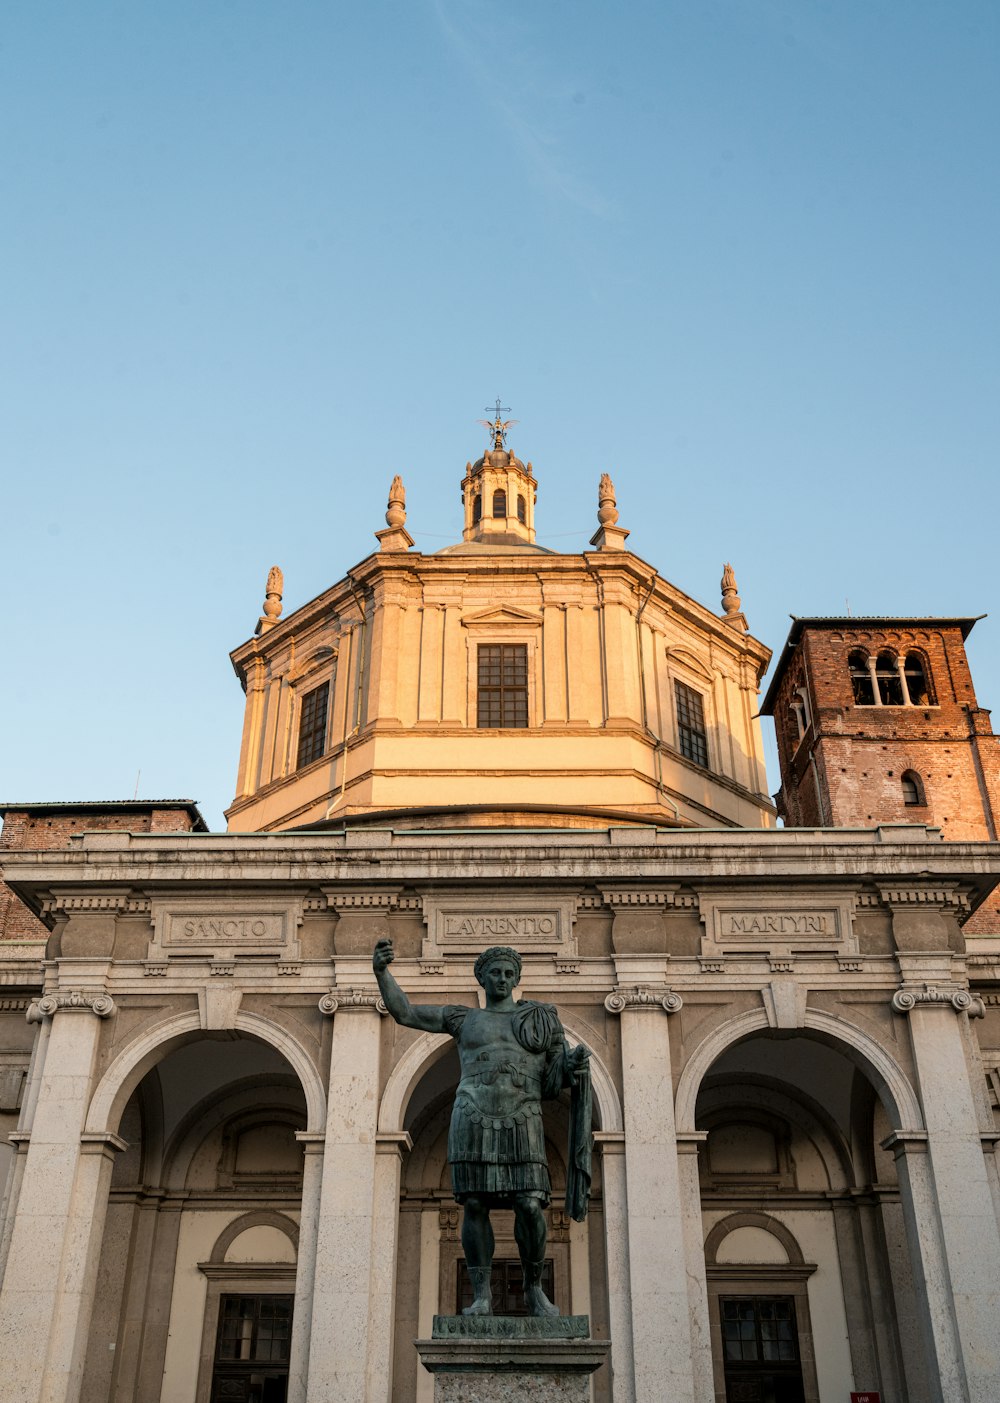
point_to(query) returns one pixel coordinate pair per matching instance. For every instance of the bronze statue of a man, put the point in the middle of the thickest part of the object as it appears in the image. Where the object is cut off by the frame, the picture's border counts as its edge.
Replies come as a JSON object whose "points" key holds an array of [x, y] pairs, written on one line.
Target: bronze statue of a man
{"points": [[512, 1055]]}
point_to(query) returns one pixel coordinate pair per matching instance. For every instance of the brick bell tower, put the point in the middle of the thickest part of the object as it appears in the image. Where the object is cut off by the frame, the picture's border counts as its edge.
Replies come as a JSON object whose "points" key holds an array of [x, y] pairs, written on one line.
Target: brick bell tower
{"points": [[877, 722]]}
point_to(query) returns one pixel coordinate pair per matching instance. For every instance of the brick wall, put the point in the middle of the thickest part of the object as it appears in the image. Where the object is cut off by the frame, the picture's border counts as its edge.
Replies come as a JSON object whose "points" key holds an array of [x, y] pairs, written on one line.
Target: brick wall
{"points": [[53, 828], [847, 769]]}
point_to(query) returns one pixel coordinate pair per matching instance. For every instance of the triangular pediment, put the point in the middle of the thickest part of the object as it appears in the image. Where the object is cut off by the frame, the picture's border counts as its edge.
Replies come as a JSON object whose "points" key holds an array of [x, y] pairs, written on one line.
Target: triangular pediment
{"points": [[499, 615]]}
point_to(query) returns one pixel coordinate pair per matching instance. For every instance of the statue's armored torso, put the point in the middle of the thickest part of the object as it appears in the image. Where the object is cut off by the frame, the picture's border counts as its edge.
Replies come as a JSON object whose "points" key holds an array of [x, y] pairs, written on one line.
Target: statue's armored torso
{"points": [[496, 1143]]}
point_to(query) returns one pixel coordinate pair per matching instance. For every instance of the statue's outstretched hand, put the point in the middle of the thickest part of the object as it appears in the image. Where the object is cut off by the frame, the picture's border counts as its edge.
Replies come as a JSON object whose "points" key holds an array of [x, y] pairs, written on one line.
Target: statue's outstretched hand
{"points": [[383, 956]]}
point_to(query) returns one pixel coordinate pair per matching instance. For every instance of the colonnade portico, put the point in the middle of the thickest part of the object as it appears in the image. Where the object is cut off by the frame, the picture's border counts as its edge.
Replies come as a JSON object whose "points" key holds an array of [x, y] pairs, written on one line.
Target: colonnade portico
{"points": [[637, 971], [61, 1198]]}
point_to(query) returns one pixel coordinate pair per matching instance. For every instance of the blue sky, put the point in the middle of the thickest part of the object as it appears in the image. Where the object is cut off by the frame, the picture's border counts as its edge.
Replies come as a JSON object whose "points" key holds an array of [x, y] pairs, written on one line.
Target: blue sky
{"points": [[258, 257]]}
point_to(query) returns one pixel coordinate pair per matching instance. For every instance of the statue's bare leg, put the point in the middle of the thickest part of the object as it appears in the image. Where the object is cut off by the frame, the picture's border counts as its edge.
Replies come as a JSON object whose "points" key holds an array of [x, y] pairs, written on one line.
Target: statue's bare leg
{"points": [[530, 1232], [478, 1244]]}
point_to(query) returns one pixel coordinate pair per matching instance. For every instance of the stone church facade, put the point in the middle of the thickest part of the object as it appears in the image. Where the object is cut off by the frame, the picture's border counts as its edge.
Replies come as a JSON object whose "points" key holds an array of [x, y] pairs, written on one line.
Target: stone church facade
{"points": [[226, 1171]]}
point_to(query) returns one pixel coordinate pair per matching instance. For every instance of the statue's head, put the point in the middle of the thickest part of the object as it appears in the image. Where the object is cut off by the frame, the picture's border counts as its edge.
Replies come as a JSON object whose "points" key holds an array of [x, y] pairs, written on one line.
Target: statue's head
{"points": [[498, 952]]}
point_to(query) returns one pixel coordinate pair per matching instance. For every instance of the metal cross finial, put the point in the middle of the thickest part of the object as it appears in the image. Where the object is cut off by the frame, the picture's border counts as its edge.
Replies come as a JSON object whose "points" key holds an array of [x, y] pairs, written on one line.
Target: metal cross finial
{"points": [[498, 427]]}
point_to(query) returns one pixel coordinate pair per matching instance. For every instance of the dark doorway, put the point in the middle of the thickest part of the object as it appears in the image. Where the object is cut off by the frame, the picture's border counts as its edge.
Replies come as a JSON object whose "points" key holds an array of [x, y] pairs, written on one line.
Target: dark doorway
{"points": [[760, 1349], [252, 1349]]}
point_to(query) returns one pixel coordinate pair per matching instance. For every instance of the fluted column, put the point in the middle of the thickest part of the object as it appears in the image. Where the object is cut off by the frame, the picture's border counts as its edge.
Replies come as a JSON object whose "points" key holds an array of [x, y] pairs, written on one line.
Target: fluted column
{"points": [[669, 1324], [389, 1150], [305, 1272], [48, 1291], [947, 1199], [616, 1250], [342, 1340]]}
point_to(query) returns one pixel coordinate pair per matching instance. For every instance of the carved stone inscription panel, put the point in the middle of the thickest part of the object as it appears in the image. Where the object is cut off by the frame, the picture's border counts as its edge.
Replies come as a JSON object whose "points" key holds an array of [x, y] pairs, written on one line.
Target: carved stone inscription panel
{"points": [[764, 921], [193, 927], [532, 923]]}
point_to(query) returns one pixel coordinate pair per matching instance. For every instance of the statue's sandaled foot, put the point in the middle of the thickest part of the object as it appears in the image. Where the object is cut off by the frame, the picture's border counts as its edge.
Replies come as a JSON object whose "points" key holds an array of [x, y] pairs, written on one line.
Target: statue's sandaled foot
{"points": [[482, 1303], [534, 1297], [538, 1303]]}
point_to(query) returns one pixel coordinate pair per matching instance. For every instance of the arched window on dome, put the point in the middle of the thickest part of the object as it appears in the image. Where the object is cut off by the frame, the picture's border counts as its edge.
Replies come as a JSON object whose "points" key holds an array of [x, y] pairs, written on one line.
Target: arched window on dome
{"points": [[499, 503], [917, 680], [890, 684], [913, 789], [861, 678], [477, 509], [522, 510]]}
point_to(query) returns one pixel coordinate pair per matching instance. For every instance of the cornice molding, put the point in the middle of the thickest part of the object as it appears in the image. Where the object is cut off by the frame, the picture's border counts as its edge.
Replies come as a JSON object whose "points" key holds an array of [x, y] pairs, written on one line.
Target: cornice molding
{"points": [[75, 903], [945, 897]]}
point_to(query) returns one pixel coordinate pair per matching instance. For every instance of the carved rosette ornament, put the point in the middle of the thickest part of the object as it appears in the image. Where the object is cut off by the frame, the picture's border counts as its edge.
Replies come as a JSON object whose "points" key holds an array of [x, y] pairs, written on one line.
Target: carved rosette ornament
{"points": [[643, 999], [905, 1000], [70, 1001], [352, 1000]]}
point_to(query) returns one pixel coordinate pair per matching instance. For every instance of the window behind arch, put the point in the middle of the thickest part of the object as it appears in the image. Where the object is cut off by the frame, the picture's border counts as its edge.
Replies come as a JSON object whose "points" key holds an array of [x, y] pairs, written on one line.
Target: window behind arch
{"points": [[692, 739], [477, 509], [502, 698], [861, 680], [917, 680], [312, 725], [890, 687], [499, 502], [913, 791], [522, 510]]}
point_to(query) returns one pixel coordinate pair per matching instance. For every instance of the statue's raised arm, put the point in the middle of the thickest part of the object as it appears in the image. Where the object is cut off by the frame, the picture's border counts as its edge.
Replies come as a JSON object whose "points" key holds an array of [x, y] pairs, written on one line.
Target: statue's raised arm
{"points": [[427, 1017]]}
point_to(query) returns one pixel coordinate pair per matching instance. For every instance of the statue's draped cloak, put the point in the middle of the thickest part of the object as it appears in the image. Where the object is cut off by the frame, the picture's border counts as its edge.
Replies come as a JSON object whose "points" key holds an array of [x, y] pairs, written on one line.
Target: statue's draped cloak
{"points": [[496, 1142]]}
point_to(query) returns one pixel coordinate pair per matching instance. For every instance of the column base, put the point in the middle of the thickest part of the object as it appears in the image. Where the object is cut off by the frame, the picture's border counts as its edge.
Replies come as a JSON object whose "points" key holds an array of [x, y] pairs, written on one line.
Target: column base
{"points": [[505, 1358]]}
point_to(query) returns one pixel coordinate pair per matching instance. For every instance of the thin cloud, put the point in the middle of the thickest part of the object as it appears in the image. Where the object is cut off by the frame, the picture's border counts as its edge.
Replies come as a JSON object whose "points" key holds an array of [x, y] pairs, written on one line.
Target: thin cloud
{"points": [[462, 23]]}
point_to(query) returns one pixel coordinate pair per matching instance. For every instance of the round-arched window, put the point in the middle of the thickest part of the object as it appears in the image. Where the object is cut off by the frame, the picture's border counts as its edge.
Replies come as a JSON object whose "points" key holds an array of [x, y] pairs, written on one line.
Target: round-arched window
{"points": [[913, 792], [477, 509], [917, 680], [522, 509], [499, 503], [890, 686], [861, 680]]}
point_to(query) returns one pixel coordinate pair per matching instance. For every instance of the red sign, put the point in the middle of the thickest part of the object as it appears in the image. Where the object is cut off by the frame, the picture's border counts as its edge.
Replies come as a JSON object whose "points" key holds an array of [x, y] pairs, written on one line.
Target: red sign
{"points": [[869, 1397]]}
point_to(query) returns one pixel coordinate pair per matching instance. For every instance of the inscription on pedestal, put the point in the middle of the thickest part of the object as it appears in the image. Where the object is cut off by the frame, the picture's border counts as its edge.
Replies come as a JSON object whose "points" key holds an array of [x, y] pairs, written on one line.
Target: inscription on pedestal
{"points": [[500, 1358], [511, 1327]]}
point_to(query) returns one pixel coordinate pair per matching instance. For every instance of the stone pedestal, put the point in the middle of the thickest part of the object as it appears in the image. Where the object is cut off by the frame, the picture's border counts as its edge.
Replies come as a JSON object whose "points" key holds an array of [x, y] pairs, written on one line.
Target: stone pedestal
{"points": [[503, 1358]]}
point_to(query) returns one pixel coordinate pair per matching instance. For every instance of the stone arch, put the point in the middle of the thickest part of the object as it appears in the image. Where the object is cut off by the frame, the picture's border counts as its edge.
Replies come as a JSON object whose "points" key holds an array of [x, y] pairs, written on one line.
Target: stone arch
{"points": [[765, 1222], [138, 1057], [235, 1102], [879, 1066], [258, 1218], [429, 1048]]}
